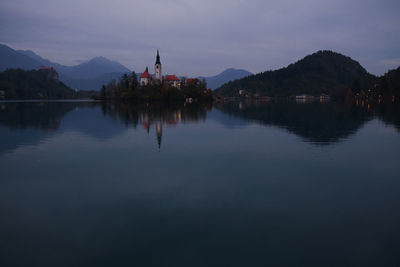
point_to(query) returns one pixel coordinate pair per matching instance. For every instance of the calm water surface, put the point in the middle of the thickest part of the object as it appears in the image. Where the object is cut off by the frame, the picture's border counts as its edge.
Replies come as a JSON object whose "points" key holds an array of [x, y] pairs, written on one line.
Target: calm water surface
{"points": [[236, 184]]}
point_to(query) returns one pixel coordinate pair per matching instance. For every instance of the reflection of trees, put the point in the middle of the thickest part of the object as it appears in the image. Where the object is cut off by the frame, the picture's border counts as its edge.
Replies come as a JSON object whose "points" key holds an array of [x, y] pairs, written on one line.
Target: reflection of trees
{"points": [[388, 112], [43, 115], [155, 113], [320, 123], [149, 113]]}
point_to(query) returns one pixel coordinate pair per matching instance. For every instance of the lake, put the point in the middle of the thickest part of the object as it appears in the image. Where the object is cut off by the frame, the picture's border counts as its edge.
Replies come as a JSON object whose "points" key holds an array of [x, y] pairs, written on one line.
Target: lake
{"points": [[274, 183]]}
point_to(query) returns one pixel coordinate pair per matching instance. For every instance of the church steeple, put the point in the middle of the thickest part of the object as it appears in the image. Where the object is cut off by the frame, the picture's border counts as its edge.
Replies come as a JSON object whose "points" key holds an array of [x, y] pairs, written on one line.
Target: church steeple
{"points": [[157, 68], [158, 58]]}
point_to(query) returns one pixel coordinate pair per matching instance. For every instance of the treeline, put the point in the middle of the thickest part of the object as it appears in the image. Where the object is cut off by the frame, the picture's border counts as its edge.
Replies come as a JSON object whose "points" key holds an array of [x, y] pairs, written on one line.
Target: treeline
{"points": [[128, 88], [36, 84], [390, 83], [385, 87]]}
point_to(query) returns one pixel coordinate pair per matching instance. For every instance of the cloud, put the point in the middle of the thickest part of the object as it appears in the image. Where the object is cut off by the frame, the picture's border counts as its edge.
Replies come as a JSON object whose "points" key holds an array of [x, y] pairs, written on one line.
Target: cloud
{"points": [[203, 37]]}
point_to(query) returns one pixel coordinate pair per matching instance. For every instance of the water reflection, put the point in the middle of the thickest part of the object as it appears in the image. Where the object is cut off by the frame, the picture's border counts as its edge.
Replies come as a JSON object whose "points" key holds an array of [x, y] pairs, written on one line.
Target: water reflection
{"points": [[157, 114], [84, 184], [319, 123], [36, 115]]}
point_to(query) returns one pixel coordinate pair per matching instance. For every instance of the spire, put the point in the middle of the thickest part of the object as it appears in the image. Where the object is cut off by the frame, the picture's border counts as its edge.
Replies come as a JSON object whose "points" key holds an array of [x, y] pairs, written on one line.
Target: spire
{"points": [[158, 58], [147, 69]]}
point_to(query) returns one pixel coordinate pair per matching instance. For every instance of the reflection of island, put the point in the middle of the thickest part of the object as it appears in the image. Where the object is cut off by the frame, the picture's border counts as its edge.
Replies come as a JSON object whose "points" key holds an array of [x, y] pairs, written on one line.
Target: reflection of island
{"points": [[387, 112], [157, 114], [32, 122], [319, 123]]}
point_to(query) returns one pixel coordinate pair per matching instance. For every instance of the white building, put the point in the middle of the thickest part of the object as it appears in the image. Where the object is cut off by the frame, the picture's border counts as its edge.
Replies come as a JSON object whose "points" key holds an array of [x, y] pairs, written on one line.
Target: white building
{"points": [[172, 80], [145, 78]]}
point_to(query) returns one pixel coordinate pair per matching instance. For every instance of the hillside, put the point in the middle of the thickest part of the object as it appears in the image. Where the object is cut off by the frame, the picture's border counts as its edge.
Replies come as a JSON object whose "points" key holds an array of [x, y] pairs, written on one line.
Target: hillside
{"points": [[227, 75], [390, 83], [33, 84], [324, 72]]}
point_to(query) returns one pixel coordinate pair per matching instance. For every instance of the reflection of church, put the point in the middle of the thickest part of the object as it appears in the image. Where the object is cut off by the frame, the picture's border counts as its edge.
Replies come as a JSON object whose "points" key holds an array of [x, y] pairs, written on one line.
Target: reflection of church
{"points": [[157, 115], [171, 118]]}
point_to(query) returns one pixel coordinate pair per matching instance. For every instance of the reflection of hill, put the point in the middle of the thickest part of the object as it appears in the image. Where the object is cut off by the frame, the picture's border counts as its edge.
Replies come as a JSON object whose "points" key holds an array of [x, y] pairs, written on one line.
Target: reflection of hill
{"points": [[43, 115], [31, 122], [321, 123], [90, 121], [389, 113]]}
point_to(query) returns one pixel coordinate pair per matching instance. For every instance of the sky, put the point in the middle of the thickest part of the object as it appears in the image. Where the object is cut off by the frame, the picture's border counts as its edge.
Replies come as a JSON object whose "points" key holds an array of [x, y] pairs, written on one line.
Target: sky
{"points": [[204, 37]]}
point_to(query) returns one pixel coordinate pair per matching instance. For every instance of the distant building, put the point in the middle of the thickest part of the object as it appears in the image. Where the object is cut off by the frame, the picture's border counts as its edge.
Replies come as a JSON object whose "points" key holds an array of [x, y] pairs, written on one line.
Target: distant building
{"points": [[51, 73], [191, 80], [304, 98], [324, 97], [145, 78], [46, 68], [172, 80]]}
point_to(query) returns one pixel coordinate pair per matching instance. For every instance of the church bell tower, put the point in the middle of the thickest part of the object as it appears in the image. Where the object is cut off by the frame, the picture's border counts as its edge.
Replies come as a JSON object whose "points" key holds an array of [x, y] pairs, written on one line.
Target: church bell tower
{"points": [[157, 68]]}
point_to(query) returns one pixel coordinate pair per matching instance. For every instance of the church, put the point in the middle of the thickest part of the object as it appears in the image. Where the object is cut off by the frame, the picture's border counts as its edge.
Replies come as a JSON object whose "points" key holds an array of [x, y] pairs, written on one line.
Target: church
{"points": [[147, 79]]}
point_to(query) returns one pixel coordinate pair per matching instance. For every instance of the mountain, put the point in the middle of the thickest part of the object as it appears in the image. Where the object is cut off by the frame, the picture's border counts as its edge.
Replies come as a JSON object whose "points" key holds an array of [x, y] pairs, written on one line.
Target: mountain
{"points": [[91, 69], [94, 83], [39, 59], [89, 75], [224, 77], [9, 58], [324, 72], [94, 68]]}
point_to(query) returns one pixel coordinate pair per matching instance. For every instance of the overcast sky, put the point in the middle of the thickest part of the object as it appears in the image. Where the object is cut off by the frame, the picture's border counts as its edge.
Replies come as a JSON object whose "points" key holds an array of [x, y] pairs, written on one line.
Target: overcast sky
{"points": [[204, 37]]}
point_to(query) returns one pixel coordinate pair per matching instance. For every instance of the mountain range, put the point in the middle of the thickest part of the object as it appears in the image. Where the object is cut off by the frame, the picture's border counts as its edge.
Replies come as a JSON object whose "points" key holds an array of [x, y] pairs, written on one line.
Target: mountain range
{"points": [[227, 75], [92, 74]]}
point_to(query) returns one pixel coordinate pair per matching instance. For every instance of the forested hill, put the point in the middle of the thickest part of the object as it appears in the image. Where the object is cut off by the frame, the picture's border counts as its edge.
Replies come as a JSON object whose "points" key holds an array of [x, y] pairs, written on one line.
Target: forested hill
{"points": [[324, 72], [390, 83], [33, 84]]}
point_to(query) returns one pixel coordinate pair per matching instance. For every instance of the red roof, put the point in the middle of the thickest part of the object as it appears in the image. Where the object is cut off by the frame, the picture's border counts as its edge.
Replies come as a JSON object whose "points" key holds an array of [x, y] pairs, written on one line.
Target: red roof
{"points": [[145, 74], [191, 80], [46, 68], [171, 78]]}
